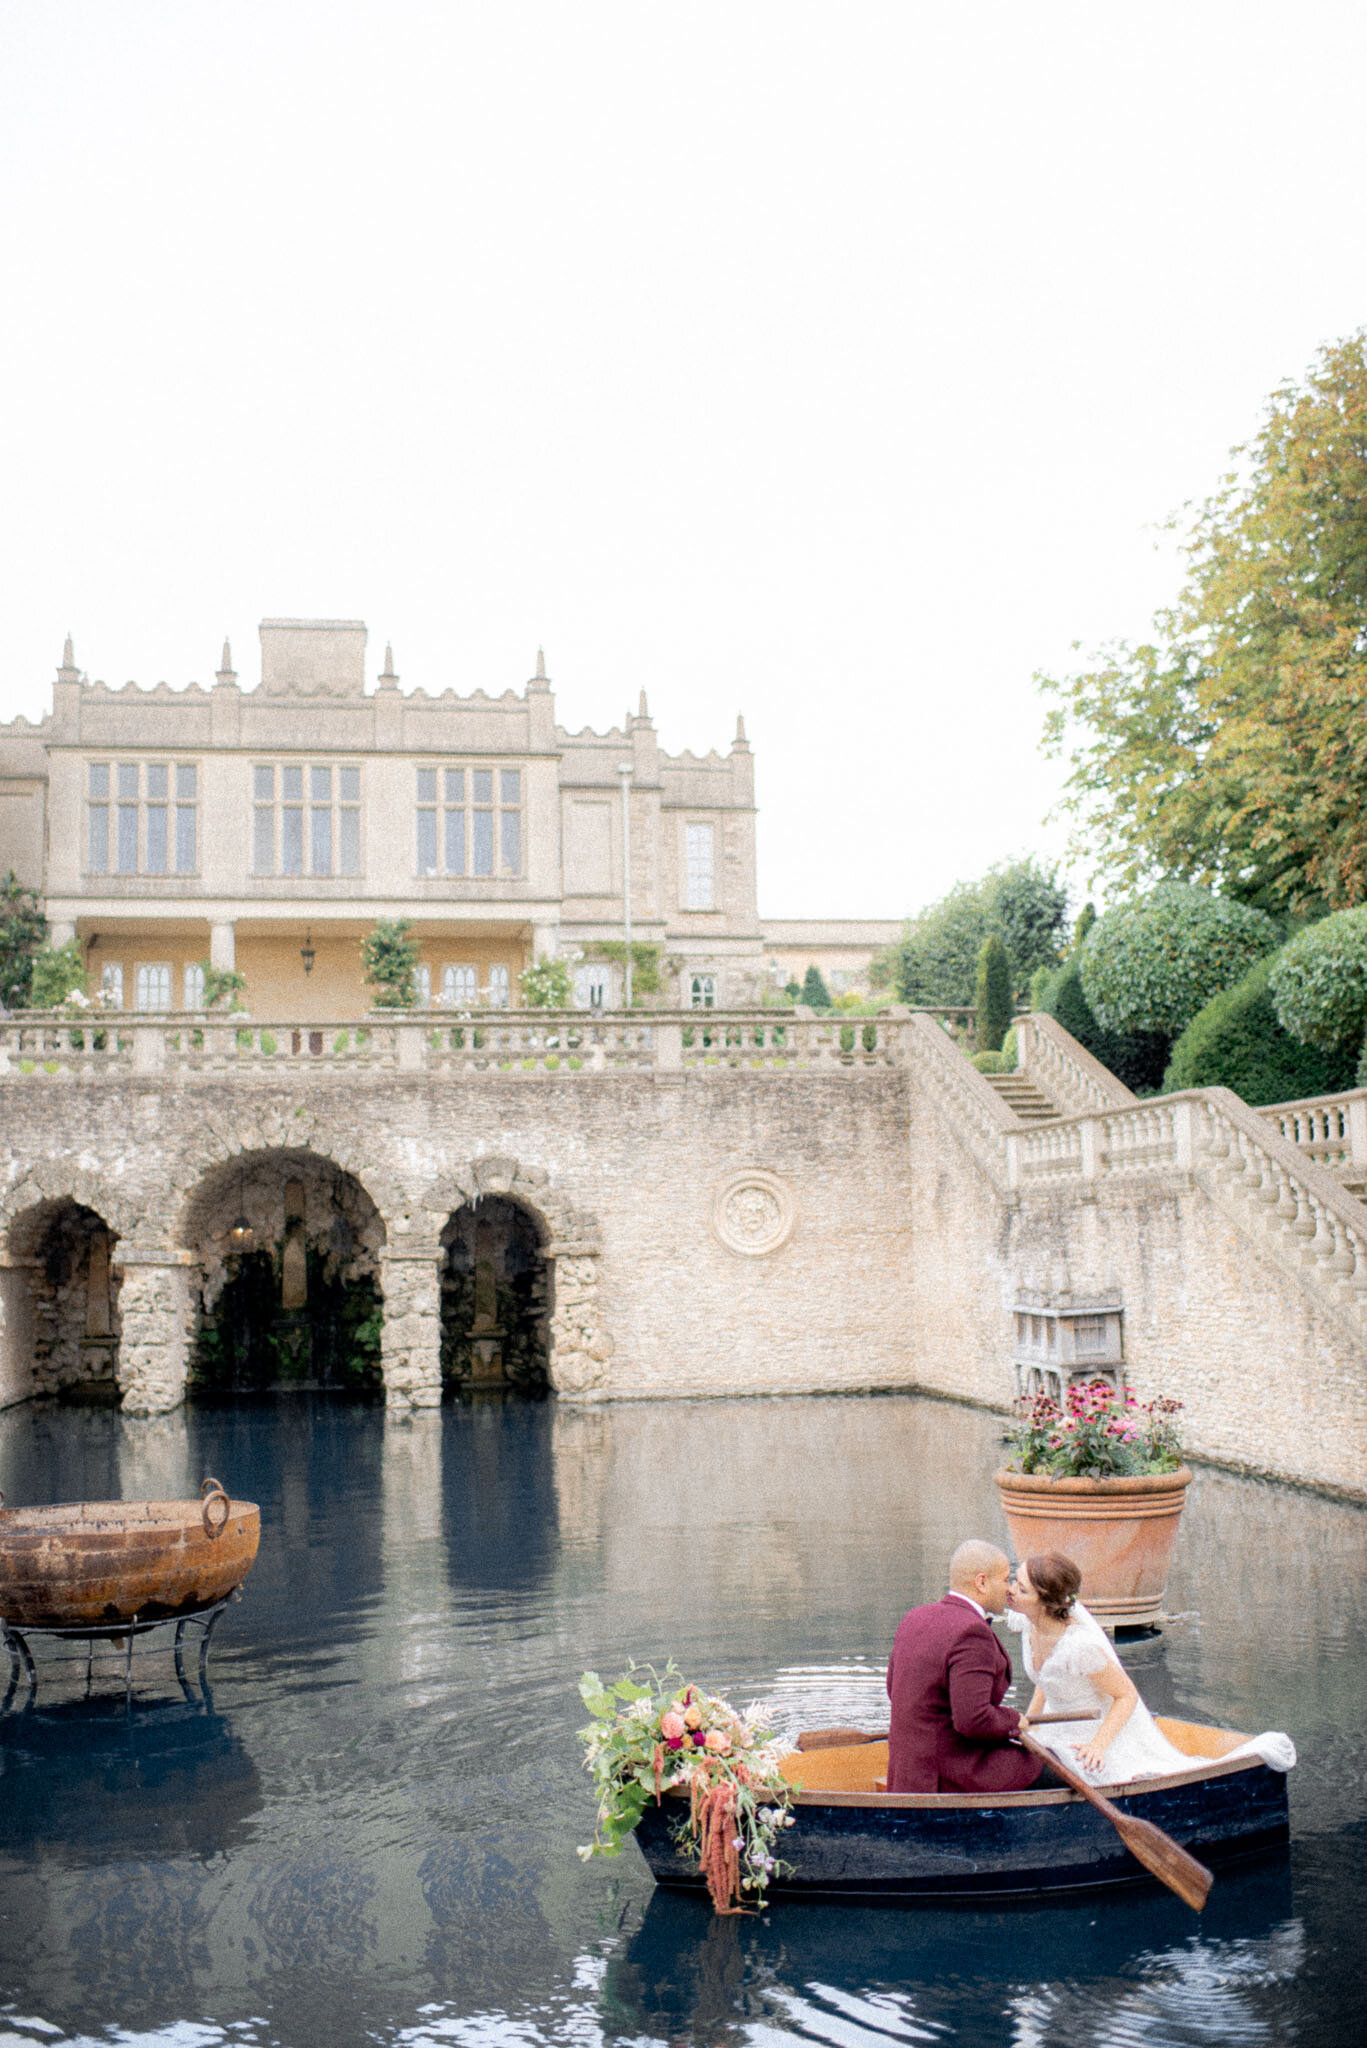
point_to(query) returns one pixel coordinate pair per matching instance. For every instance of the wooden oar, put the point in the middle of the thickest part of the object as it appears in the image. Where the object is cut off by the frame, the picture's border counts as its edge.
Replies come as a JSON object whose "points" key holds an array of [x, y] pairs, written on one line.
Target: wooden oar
{"points": [[1158, 1852]]}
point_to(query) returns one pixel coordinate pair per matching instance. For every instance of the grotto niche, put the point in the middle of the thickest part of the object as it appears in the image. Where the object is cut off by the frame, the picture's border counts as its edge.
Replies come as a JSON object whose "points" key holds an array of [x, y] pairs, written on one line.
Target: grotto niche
{"points": [[495, 1300], [70, 1302], [289, 1294]]}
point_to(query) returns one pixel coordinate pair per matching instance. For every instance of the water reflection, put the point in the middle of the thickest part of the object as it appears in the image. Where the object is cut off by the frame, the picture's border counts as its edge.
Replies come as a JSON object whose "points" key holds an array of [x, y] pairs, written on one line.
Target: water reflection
{"points": [[370, 1834], [92, 1779]]}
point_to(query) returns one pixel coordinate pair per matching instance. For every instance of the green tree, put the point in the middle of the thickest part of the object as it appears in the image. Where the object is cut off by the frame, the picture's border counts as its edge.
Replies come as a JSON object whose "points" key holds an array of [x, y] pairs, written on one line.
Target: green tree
{"points": [[993, 994], [22, 931], [937, 955], [1319, 982], [389, 955], [815, 993], [1230, 748]]}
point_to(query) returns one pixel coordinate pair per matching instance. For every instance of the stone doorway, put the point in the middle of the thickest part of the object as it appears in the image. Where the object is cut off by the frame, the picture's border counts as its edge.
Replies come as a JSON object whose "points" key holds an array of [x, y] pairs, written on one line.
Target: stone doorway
{"points": [[495, 1300], [288, 1248], [60, 1261]]}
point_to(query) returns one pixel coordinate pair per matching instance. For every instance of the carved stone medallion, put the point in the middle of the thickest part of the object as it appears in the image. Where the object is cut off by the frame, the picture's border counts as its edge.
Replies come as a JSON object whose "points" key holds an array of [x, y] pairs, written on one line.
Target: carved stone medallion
{"points": [[753, 1213]]}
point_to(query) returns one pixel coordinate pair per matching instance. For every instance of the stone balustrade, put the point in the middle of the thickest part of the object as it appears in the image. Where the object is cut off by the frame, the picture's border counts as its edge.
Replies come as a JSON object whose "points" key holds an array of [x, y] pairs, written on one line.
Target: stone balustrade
{"points": [[1330, 1129], [1065, 1071], [179, 1046]]}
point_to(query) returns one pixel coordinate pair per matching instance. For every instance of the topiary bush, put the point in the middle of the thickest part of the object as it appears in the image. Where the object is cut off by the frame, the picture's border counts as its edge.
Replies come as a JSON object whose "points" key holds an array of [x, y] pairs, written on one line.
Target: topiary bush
{"points": [[1237, 1042], [1319, 981], [1138, 1058], [989, 1062], [992, 998], [1152, 964]]}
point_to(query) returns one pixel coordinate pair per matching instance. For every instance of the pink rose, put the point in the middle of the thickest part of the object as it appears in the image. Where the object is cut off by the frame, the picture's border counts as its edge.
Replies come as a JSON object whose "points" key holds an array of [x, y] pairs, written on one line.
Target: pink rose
{"points": [[672, 1726], [693, 1717], [717, 1742]]}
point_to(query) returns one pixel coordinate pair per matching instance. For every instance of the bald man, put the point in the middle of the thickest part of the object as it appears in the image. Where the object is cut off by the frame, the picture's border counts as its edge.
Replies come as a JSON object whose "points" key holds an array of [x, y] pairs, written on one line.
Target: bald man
{"points": [[947, 1678]]}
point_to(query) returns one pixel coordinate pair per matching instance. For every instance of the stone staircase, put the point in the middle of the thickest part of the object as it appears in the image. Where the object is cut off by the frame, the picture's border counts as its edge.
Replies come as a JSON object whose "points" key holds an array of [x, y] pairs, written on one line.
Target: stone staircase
{"points": [[1020, 1094]]}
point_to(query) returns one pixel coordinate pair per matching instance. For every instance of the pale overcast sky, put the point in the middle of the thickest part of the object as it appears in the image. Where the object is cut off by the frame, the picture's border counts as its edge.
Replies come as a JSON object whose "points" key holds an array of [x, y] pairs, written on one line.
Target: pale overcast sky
{"points": [[833, 364]]}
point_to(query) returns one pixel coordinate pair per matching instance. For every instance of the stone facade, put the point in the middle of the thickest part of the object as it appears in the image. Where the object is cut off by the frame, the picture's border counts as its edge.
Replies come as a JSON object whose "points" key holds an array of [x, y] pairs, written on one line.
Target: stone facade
{"points": [[750, 1207], [266, 829]]}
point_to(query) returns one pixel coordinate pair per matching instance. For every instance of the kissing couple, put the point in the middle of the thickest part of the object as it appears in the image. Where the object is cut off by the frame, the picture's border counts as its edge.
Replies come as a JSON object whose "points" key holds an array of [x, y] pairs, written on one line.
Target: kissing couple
{"points": [[948, 1676]]}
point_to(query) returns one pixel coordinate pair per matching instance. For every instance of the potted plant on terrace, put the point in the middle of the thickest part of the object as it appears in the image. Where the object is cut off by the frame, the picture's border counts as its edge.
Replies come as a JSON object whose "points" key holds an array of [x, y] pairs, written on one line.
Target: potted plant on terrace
{"points": [[1100, 1479]]}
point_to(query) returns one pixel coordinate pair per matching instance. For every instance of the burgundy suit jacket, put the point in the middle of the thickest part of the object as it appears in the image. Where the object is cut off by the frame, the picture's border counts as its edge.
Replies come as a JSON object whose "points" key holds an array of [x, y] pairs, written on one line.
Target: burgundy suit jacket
{"points": [[946, 1680]]}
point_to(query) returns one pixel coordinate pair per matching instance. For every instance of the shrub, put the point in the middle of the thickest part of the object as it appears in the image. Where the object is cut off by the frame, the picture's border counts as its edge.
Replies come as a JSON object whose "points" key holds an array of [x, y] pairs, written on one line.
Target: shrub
{"points": [[1360, 1078], [815, 993], [1152, 964], [993, 994], [1010, 1052], [1319, 981], [58, 972], [1137, 1058], [389, 955], [545, 985], [989, 1062], [935, 960], [22, 931], [220, 982], [1236, 1042]]}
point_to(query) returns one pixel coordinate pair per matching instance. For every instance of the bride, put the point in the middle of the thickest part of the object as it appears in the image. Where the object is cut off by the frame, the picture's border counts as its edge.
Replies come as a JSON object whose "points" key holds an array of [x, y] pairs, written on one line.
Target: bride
{"points": [[1113, 1737]]}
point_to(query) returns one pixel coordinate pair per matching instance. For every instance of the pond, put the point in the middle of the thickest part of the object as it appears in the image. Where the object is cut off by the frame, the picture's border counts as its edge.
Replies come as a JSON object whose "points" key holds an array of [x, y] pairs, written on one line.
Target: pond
{"points": [[367, 1832]]}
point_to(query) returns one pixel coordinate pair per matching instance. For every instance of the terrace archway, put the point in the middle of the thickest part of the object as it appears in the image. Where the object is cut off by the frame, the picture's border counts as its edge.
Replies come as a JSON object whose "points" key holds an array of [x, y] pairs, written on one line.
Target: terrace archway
{"points": [[287, 1290]]}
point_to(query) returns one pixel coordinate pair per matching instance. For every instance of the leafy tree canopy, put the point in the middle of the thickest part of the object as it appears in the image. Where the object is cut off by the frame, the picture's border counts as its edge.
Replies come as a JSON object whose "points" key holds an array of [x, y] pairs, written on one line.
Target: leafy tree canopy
{"points": [[22, 931], [1022, 902], [1231, 748]]}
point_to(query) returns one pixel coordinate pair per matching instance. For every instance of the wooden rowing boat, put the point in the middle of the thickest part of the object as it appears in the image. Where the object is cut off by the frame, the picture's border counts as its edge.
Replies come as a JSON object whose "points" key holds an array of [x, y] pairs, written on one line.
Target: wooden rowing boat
{"points": [[850, 1840], [91, 1564]]}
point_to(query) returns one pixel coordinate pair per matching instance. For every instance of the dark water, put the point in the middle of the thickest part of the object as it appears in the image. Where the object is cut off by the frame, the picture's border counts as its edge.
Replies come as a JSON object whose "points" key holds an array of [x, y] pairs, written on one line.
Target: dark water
{"points": [[368, 1833]]}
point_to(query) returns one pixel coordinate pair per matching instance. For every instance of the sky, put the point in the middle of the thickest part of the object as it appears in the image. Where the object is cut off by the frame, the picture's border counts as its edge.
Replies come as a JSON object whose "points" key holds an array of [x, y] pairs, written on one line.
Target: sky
{"points": [[833, 365]]}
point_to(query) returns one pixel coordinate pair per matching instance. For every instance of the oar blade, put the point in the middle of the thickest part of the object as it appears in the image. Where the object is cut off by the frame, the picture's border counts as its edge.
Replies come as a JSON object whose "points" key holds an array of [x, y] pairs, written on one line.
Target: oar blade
{"points": [[1168, 1860]]}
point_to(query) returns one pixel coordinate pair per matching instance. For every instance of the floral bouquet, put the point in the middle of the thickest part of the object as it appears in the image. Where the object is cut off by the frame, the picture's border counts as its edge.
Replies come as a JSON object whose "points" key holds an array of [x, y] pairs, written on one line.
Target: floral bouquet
{"points": [[1097, 1434], [652, 1734]]}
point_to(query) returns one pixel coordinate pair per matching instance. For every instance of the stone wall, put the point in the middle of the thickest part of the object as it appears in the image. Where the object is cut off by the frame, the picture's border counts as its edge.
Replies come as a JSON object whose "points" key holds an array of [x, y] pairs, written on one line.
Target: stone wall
{"points": [[726, 1231]]}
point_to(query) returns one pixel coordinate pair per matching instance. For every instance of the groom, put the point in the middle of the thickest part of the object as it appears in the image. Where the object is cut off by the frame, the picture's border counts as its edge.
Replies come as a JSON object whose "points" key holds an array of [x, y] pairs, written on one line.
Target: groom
{"points": [[947, 1677]]}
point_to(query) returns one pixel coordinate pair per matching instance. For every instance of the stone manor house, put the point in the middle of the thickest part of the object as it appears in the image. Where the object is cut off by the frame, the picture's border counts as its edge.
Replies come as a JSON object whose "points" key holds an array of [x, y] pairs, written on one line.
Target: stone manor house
{"points": [[707, 1196], [267, 829]]}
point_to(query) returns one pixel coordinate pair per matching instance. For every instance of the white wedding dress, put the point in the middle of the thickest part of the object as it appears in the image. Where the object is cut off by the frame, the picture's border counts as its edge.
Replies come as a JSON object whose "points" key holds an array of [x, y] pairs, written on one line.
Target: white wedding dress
{"points": [[1141, 1749]]}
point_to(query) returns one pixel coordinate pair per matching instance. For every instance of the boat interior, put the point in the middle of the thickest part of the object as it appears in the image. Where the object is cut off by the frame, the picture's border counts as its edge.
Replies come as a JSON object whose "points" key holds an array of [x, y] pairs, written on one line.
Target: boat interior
{"points": [[855, 1772]]}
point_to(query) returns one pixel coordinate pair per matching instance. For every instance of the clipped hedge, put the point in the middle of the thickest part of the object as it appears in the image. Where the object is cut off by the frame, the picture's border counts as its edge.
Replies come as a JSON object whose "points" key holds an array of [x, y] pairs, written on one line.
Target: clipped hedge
{"points": [[1152, 964], [1319, 981], [1137, 1058], [1237, 1042]]}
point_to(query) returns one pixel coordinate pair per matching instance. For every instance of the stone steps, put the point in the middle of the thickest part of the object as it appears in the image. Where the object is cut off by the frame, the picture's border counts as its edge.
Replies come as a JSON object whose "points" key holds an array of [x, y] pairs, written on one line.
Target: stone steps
{"points": [[1030, 1103]]}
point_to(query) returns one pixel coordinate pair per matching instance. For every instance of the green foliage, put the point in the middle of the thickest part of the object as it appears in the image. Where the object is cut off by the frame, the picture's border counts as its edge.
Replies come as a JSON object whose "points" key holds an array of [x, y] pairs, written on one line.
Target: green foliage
{"points": [[815, 993], [646, 961], [58, 972], [937, 956], [793, 991], [1319, 981], [989, 1062], [1086, 918], [1010, 1052], [1360, 1077], [1237, 1042], [545, 985], [1152, 964], [389, 955], [22, 931], [992, 995], [1231, 749], [652, 1733], [1137, 1058], [220, 982]]}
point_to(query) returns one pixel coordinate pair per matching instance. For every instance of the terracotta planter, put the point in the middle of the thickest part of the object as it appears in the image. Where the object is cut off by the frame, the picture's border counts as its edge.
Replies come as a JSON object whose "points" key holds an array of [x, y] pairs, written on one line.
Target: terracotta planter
{"points": [[1120, 1531]]}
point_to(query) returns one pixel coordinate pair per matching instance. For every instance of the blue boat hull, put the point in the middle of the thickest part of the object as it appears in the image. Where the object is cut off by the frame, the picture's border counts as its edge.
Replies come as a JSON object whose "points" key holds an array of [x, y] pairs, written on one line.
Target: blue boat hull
{"points": [[1027, 1844]]}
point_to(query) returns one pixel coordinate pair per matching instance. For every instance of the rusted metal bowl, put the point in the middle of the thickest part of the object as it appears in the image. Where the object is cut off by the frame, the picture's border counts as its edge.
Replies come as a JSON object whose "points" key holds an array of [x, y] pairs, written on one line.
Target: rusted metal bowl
{"points": [[91, 1563]]}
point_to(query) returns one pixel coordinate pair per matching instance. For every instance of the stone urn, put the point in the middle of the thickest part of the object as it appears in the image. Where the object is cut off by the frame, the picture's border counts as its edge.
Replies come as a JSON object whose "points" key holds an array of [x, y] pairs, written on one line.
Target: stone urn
{"points": [[1121, 1532]]}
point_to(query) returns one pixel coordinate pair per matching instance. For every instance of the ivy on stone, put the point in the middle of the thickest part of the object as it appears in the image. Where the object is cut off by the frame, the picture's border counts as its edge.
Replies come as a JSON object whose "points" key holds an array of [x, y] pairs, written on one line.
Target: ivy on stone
{"points": [[22, 931]]}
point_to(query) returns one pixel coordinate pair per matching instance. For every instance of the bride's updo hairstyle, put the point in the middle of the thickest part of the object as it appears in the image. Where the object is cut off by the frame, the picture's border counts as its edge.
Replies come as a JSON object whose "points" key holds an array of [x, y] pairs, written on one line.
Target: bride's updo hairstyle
{"points": [[1056, 1579]]}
